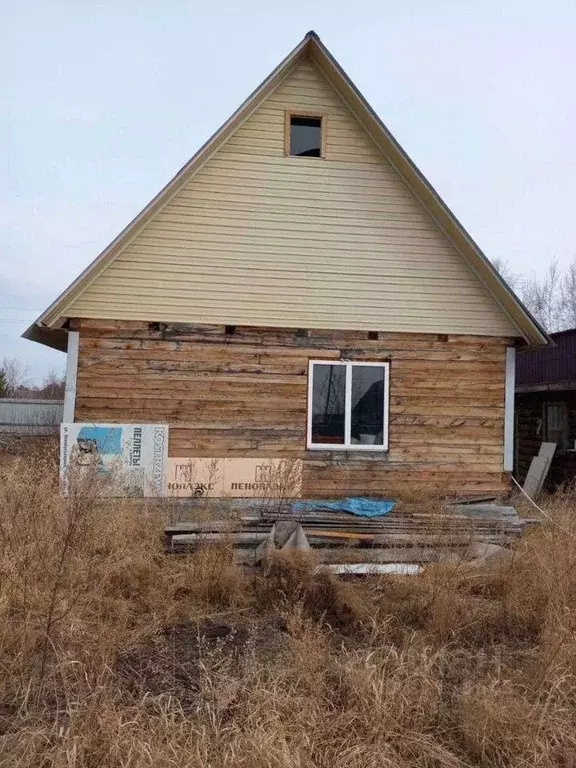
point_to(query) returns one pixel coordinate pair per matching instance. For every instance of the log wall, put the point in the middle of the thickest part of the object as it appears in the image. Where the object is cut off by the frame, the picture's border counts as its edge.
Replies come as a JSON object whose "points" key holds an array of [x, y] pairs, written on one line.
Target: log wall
{"points": [[245, 395]]}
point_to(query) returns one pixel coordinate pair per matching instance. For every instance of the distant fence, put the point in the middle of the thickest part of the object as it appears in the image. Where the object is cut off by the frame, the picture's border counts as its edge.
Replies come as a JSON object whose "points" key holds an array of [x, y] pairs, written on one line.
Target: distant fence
{"points": [[30, 417]]}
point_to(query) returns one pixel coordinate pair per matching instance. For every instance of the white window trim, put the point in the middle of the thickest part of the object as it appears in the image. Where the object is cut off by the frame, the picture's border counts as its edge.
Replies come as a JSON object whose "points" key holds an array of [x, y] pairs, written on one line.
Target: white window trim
{"points": [[347, 445]]}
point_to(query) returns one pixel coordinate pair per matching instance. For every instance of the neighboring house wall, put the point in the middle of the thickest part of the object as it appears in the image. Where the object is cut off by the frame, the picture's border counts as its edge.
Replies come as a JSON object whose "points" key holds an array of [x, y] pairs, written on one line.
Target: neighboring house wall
{"points": [[546, 406], [30, 417], [550, 368], [258, 238], [528, 431], [550, 417], [245, 395]]}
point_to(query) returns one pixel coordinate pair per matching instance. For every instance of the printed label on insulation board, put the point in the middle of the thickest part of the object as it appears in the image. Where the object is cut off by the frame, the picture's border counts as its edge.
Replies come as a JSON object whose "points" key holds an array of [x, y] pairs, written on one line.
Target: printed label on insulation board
{"points": [[132, 456], [234, 478]]}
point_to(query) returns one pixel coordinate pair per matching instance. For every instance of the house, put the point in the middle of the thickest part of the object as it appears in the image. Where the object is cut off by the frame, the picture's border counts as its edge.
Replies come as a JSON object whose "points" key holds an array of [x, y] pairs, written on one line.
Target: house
{"points": [[300, 291], [546, 406]]}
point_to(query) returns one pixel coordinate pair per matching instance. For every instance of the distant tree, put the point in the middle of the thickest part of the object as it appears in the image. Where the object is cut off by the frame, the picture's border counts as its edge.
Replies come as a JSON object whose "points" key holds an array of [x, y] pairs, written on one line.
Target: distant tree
{"points": [[15, 374], [567, 296], [52, 387], [505, 271], [551, 298], [3, 387], [543, 297]]}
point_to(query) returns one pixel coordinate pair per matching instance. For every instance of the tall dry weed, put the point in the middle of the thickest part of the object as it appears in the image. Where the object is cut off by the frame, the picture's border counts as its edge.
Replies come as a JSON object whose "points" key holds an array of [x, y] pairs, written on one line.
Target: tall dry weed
{"points": [[115, 654]]}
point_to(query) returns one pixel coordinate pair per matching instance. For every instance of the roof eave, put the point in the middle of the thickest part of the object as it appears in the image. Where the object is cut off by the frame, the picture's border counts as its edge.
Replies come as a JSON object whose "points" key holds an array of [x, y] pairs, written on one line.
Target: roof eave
{"points": [[57, 338]]}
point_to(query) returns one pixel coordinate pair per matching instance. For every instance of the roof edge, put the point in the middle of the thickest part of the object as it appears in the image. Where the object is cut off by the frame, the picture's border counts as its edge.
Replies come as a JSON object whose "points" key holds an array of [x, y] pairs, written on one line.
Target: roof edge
{"points": [[528, 327], [56, 338], [51, 315]]}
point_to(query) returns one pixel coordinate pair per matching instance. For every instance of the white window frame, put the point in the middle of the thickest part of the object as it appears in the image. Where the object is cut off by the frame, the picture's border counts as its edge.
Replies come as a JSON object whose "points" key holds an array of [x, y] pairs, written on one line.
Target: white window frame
{"points": [[347, 445]]}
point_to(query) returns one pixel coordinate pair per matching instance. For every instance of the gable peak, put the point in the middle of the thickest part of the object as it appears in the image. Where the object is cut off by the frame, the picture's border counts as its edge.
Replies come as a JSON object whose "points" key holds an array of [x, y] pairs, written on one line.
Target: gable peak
{"points": [[311, 48]]}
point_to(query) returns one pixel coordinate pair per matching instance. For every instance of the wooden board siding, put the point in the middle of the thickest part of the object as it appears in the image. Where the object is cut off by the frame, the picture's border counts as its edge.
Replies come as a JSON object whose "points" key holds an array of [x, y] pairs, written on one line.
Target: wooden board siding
{"points": [[245, 395], [259, 238]]}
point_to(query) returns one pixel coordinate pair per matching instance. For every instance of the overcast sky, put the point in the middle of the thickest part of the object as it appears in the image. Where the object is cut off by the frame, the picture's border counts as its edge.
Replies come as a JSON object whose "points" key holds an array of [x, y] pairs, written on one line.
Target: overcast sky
{"points": [[104, 100]]}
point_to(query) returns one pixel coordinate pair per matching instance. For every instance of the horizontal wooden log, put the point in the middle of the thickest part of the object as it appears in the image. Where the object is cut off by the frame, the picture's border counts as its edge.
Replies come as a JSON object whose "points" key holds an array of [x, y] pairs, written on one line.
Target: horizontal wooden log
{"points": [[194, 406], [104, 365], [141, 414], [176, 378], [376, 351], [123, 328]]}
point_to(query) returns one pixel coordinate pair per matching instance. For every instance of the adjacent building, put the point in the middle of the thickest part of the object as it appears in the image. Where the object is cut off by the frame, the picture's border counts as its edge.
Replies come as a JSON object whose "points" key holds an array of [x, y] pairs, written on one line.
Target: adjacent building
{"points": [[546, 406]]}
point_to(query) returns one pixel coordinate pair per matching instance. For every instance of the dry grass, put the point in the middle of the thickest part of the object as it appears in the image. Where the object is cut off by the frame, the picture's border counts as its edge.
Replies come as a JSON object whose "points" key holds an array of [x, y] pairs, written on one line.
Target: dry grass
{"points": [[114, 655]]}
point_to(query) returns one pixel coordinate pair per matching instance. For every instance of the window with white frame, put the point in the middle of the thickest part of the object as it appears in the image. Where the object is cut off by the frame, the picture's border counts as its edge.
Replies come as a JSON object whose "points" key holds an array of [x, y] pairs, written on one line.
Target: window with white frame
{"points": [[348, 405]]}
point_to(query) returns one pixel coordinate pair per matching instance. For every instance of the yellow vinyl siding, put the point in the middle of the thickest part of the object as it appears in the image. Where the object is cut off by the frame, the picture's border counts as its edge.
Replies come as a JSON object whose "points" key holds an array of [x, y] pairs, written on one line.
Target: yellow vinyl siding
{"points": [[257, 238]]}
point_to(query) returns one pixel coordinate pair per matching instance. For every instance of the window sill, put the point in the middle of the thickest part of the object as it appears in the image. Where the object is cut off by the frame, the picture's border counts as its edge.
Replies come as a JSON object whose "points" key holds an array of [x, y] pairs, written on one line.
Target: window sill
{"points": [[349, 454], [305, 157], [349, 448]]}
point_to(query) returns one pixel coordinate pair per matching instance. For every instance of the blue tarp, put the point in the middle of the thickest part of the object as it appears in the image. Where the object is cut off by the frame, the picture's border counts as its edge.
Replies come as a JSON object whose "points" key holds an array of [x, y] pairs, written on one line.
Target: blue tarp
{"points": [[353, 505]]}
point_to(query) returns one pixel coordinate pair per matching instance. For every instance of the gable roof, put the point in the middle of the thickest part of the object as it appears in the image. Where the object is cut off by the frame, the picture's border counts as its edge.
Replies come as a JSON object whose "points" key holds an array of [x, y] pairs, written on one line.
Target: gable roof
{"points": [[47, 329]]}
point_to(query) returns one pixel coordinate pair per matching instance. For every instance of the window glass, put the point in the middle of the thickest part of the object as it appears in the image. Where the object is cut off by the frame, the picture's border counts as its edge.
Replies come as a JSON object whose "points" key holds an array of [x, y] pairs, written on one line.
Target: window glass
{"points": [[328, 403], [305, 136], [367, 405]]}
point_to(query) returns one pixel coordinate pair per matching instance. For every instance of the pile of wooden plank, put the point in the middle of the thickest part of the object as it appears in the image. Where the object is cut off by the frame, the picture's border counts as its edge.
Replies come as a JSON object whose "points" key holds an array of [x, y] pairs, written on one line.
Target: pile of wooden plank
{"points": [[411, 535]]}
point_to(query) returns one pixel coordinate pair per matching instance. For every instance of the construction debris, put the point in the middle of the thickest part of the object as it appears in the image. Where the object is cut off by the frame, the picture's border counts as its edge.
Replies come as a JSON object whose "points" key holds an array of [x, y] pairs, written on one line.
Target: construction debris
{"points": [[283, 535], [265, 547], [538, 471], [410, 536], [366, 569], [488, 554], [353, 505], [297, 540], [492, 511]]}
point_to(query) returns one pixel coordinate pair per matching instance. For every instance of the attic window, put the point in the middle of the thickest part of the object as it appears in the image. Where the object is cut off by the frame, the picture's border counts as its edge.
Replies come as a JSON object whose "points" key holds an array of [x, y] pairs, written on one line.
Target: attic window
{"points": [[304, 135]]}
